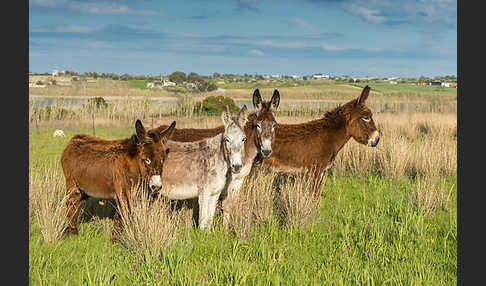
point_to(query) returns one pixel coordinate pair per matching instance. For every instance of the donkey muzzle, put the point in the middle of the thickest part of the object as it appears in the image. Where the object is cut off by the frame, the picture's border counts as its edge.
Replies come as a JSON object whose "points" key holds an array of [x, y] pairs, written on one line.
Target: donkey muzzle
{"points": [[373, 140], [155, 183], [236, 168], [266, 153]]}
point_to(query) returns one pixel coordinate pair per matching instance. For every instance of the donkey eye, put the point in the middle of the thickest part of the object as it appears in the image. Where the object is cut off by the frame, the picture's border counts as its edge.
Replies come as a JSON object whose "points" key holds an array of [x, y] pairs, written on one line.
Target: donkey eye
{"points": [[147, 161], [365, 118], [244, 138], [226, 140], [258, 125]]}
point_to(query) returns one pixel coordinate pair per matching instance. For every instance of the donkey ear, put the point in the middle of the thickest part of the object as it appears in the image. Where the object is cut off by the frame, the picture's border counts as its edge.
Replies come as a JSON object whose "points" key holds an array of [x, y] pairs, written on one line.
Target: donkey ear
{"points": [[243, 116], [364, 95], [140, 131], [257, 98], [275, 99], [226, 116], [167, 133]]}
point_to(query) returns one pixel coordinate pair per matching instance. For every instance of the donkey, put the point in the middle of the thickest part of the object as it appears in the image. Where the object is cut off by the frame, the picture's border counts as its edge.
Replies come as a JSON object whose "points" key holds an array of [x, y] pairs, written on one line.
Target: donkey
{"points": [[259, 131], [109, 169], [311, 147], [202, 169]]}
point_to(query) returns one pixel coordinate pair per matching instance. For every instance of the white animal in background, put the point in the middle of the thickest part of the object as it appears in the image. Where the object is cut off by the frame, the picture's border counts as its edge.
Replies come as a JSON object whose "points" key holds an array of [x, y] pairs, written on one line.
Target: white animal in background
{"points": [[58, 133]]}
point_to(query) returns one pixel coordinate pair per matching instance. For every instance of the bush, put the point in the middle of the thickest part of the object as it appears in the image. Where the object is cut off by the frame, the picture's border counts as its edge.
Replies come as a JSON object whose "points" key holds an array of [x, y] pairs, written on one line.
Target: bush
{"points": [[98, 102], [213, 105]]}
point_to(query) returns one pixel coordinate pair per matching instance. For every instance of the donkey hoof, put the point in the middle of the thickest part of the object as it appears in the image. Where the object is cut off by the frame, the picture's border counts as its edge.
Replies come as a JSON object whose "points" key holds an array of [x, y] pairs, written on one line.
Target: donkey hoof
{"points": [[114, 239], [71, 231]]}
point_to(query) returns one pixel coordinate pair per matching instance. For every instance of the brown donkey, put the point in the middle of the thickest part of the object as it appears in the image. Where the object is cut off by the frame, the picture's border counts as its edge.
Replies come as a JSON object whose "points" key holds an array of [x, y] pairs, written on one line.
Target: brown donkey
{"points": [[259, 131], [109, 169], [311, 147]]}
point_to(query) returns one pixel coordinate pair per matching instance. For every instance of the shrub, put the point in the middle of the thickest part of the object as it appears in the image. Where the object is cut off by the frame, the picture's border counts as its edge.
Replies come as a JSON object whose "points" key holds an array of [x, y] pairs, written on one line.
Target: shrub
{"points": [[213, 105], [98, 102]]}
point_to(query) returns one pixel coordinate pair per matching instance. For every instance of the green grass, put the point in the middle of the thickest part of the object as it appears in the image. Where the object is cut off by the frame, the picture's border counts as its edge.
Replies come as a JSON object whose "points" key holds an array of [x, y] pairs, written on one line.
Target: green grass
{"points": [[408, 88], [141, 84], [365, 215]]}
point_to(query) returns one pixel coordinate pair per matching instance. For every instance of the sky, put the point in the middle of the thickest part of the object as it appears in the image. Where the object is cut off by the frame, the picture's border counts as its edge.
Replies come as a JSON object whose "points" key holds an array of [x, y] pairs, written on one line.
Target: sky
{"points": [[404, 38]]}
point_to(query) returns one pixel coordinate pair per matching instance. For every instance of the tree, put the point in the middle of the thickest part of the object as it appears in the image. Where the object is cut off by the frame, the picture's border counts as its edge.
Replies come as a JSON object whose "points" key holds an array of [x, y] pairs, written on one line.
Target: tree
{"points": [[193, 76], [203, 85], [177, 77]]}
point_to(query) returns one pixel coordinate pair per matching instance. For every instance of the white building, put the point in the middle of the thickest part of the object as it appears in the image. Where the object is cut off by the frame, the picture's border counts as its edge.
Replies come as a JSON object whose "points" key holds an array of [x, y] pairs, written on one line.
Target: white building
{"points": [[320, 76], [168, 83]]}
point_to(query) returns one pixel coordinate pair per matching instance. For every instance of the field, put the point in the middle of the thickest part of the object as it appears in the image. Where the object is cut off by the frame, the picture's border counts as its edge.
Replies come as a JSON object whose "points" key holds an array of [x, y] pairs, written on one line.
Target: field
{"points": [[386, 215]]}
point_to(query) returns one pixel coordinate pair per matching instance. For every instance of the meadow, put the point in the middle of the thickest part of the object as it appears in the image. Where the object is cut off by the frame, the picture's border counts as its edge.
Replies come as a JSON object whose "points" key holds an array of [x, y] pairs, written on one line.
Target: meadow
{"points": [[384, 216]]}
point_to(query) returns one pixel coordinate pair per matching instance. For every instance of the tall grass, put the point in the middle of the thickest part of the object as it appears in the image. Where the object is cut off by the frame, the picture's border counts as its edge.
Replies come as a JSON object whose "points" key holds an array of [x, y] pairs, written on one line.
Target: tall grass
{"points": [[149, 226], [429, 195], [47, 201], [260, 203]]}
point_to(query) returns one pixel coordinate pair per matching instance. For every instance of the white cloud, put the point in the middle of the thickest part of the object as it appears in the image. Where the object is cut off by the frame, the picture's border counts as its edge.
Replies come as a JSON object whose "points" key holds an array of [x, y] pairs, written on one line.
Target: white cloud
{"points": [[287, 45], [366, 13], [63, 29], [255, 52], [109, 8], [333, 48], [47, 3], [301, 23]]}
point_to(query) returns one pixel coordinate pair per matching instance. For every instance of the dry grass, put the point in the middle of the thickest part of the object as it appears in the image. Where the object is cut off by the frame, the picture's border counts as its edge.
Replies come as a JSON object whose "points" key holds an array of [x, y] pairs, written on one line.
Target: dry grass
{"points": [[298, 202], [260, 203], [47, 201], [150, 226], [429, 195], [411, 144], [253, 205]]}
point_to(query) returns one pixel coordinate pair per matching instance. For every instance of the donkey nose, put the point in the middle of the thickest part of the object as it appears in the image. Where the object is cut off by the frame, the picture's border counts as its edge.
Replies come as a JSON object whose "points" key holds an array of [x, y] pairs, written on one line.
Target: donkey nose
{"points": [[266, 153], [155, 183], [375, 142], [236, 168]]}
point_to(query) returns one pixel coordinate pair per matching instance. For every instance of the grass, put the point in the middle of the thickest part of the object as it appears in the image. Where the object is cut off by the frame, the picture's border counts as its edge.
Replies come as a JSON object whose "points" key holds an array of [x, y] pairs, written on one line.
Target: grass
{"points": [[385, 215], [141, 84], [368, 234], [372, 227], [408, 88]]}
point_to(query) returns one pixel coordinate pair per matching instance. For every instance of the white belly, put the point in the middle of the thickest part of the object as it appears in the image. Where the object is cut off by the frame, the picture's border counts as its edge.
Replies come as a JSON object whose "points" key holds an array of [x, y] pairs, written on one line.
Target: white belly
{"points": [[180, 192]]}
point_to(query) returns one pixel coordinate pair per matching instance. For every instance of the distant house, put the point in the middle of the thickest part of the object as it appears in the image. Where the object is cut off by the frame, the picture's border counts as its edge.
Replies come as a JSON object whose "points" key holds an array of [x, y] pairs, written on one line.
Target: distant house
{"points": [[449, 84], [436, 83], [220, 82], [150, 85], [320, 76], [296, 77], [168, 83], [276, 76]]}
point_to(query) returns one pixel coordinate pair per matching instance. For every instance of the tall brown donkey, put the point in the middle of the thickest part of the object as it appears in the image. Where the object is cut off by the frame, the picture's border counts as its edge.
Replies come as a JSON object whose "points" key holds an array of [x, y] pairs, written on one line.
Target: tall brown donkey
{"points": [[109, 169], [311, 147], [259, 131]]}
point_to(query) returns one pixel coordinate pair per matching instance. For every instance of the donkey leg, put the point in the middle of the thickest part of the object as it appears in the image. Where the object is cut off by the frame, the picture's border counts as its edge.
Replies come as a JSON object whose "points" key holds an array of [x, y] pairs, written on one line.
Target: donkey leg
{"points": [[123, 206], [227, 203], [226, 206], [74, 198], [212, 202], [203, 200]]}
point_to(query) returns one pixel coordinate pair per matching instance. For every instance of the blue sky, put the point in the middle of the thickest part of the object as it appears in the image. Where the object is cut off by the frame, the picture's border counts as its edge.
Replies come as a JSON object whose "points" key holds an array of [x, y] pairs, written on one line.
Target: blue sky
{"points": [[407, 38]]}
